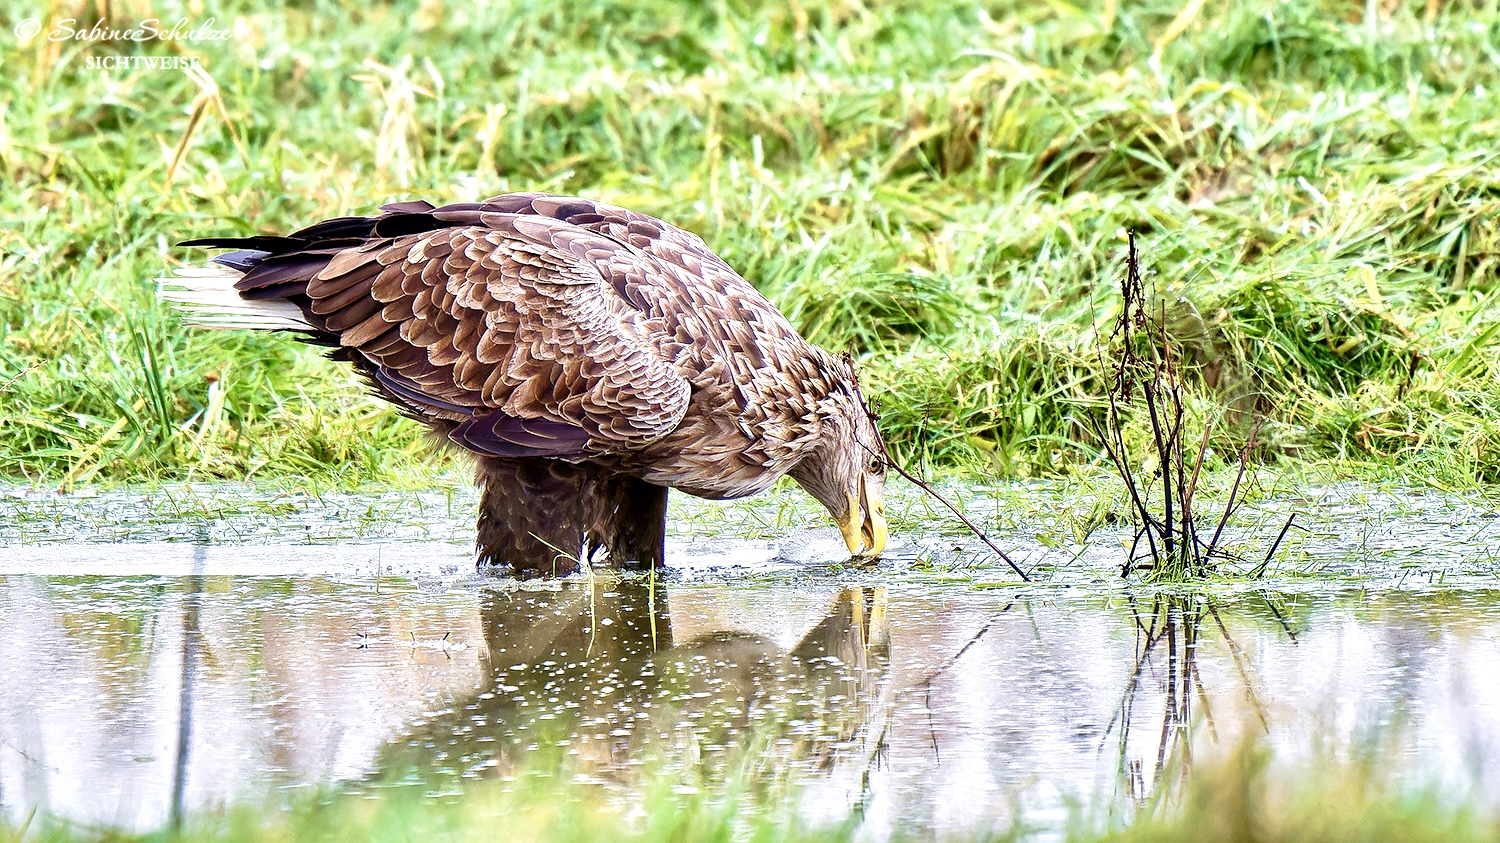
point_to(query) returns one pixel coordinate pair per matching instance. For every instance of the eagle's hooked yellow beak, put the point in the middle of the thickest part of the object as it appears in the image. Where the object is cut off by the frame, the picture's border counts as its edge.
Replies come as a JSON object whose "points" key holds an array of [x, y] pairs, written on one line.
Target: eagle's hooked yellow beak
{"points": [[864, 525]]}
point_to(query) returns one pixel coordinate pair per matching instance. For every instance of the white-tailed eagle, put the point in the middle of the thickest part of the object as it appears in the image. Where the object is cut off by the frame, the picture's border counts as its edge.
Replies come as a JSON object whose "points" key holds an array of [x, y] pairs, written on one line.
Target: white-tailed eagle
{"points": [[591, 357]]}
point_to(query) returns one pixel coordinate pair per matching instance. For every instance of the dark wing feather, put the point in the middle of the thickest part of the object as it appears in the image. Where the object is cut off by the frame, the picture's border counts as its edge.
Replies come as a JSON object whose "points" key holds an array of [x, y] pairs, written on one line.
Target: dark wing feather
{"points": [[649, 270], [244, 260], [268, 243], [502, 435], [415, 206], [641, 232], [412, 395]]}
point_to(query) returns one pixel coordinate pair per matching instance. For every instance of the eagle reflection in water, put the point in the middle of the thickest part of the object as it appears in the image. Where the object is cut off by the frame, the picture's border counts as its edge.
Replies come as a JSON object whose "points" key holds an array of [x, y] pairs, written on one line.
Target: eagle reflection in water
{"points": [[592, 667]]}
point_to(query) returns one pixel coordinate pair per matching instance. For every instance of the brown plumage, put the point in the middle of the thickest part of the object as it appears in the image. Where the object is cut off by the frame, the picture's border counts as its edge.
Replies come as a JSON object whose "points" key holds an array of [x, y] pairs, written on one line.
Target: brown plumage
{"points": [[589, 355]]}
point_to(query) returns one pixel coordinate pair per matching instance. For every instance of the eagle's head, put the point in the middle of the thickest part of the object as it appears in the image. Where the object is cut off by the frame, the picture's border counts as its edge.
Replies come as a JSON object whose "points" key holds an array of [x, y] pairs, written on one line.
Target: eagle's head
{"points": [[845, 470]]}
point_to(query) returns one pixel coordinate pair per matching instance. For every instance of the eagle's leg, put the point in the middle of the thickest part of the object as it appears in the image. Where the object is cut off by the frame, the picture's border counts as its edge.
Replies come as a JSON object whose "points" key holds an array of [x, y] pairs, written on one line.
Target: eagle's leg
{"points": [[531, 517], [628, 521], [544, 517]]}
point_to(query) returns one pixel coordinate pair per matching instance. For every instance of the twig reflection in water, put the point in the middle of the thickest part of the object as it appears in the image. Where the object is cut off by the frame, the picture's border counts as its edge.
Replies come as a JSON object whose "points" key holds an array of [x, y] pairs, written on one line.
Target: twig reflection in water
{"points": [[1170, 628], [577, 666], [191, 642]]}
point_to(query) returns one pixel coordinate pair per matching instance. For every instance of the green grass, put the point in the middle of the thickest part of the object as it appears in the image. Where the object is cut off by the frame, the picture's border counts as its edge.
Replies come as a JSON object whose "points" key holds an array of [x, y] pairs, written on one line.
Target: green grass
{"points": [[1237, 799], [940, 184]]}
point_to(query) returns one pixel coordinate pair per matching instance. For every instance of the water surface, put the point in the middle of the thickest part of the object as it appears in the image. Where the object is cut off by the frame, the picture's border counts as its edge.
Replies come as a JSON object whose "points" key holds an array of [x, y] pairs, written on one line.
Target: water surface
{"points": [[157, 674]]}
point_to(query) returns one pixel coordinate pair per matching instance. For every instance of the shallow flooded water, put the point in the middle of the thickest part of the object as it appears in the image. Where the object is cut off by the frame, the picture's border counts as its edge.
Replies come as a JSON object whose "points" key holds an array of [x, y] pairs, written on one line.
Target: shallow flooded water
{"points": [[153, 676]]}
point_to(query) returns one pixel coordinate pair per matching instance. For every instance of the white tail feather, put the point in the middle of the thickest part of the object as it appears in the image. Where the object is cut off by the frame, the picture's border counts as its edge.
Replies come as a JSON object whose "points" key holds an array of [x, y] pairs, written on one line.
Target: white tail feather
{"points": [[208, 297]]}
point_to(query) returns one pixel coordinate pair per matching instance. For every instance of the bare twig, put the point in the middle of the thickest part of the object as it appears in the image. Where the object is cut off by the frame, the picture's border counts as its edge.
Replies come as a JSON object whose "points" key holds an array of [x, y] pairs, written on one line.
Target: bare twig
{"points": [[21, 374], [1264, 563], [922, 484], [1146, 371], [1234, 491], [885, 455]]}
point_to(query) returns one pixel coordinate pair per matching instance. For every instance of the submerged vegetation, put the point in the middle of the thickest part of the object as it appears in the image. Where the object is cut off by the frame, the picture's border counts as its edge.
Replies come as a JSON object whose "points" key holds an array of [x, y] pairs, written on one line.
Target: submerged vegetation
{"points": [[940, 185]]}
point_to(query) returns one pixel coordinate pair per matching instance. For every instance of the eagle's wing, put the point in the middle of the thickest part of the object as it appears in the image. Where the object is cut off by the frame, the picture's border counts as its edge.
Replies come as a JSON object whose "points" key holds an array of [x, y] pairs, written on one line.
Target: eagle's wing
{"points": [[519, 329], [644, 234], [709, 309]]}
